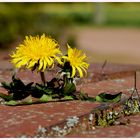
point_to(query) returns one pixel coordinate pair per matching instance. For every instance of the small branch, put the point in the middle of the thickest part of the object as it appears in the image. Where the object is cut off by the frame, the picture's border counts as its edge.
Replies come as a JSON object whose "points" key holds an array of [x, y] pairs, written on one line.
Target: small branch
{"points": [[135, 80], [102, 68], [104, 64], [135, 85]]}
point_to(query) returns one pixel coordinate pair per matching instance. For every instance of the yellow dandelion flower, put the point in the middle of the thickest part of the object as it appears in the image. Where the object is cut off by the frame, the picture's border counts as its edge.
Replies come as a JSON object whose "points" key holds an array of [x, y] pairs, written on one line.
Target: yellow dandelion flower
{"points": [[76, 58], [36, 53]]}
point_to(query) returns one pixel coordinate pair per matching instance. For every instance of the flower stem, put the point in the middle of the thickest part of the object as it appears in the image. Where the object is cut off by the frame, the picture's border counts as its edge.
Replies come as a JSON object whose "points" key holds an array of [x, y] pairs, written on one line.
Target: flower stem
{"points": [[42, 77]]}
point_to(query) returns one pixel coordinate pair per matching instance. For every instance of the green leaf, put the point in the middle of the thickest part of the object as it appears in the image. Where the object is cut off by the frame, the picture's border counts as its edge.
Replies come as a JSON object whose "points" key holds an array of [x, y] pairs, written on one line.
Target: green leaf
{"points": [[20, 94], [43, 89], [91, 99], [36, 94], [12, 102], [83, 96], [69, 88], [45, 98], [104, 97], [6, 85], [27, 100], [68, 97], [17, 82], [49, 91], [28, 86], [6, 97]]}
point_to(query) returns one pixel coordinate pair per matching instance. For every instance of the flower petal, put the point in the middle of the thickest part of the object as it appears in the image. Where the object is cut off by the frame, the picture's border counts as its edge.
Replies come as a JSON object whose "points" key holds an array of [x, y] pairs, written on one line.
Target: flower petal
{"points": [[59, 60], [41, 63], [44, 48], [31, 64], [80, 71], [73, 71]]}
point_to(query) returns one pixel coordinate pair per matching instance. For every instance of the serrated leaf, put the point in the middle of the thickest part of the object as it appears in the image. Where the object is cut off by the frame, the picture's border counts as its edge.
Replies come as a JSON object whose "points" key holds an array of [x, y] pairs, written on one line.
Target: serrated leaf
{"points": [[17, 82], [20, 94], [28, 86], [104, 97], [45, 98], [49, 91], [54, 83], [68, 97], [91, 99], [39, 90], [83, 96], [12, 103], [69, 88], [28, 99], [6, 85], [6, 97]]}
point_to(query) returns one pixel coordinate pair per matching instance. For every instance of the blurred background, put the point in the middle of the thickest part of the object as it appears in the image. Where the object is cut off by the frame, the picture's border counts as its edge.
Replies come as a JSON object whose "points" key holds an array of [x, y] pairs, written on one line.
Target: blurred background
{"points": [[105, 31]]}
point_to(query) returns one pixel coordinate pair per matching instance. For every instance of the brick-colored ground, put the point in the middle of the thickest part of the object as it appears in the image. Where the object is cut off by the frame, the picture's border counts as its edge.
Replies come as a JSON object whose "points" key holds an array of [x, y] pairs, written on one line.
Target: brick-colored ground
{"points": [[18, 120], [131, 130]]}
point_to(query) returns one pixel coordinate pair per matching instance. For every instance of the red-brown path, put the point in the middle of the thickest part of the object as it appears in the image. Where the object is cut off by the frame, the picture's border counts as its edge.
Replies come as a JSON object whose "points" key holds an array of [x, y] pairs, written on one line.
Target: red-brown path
{"points": [[117, 45], [16, 121]]}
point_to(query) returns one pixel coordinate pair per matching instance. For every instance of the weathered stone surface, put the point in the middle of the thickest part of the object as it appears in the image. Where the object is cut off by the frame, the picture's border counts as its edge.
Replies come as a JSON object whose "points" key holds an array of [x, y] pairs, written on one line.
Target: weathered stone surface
{"points": [[118, 131], [18, 120]]}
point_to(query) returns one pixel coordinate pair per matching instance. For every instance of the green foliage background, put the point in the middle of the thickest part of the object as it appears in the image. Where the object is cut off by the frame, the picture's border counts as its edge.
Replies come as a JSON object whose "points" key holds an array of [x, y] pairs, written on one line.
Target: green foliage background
{"points": [[20, 19]]}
